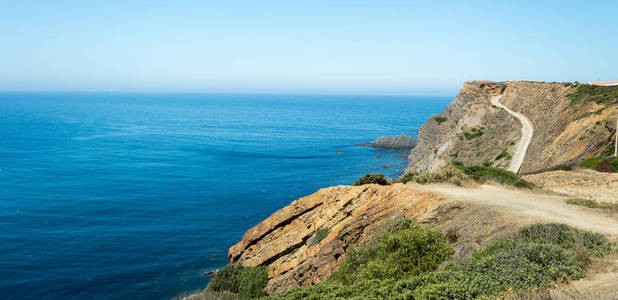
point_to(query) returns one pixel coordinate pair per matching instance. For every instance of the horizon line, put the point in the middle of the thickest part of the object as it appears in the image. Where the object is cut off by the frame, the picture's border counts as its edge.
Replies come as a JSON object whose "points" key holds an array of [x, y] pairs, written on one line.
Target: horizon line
{"points": [[229, 93]]}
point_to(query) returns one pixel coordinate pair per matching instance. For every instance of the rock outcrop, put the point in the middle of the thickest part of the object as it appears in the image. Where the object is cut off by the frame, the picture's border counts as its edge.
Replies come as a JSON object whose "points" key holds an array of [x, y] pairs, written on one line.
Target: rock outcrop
{"points": [[286, 240], [401, 141], [350, 213], [473, 131]]}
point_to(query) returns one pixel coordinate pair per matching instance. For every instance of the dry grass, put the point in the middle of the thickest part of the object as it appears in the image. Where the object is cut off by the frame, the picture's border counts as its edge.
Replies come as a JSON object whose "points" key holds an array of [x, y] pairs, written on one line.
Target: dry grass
{"points": [[448, 174]]}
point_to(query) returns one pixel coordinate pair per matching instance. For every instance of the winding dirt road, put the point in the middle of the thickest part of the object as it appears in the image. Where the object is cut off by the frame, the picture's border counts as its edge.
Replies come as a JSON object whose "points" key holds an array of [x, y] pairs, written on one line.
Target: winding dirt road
{"points": [[529, 205], [527, 130]]}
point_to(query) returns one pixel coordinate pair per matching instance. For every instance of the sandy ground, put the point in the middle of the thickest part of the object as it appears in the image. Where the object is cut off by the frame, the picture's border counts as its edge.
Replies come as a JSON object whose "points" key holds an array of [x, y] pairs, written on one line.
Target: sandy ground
{"points": [[529, 205], [586, 184], [527, 130]]}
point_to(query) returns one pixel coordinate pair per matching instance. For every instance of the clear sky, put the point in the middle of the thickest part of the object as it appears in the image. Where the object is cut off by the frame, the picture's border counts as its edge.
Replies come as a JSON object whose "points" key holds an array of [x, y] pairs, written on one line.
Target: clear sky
{"points": [[376, 47]]}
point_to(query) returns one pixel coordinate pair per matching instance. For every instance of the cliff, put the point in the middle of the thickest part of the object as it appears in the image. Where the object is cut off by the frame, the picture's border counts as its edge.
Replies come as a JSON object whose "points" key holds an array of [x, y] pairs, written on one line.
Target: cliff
{"points": [[286, 241], [571, 123], [303, 243]]}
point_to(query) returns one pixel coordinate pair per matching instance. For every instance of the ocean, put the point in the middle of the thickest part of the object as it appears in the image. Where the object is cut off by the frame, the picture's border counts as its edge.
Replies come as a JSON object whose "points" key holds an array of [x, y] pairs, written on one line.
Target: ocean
{"points": [[136, 195]]}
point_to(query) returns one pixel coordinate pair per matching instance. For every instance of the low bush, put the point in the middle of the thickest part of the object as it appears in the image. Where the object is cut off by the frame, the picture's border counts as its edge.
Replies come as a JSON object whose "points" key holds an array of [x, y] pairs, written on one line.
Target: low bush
{"points": [[440, 120], [246, 282], [406, 249], [536, 257], [502, 154], [319, 235], [372, 179], [448, 174], [614, 164], [605, 95], [495, 174], [592, 162], [608, 151], [591, 203], [475, 133]]}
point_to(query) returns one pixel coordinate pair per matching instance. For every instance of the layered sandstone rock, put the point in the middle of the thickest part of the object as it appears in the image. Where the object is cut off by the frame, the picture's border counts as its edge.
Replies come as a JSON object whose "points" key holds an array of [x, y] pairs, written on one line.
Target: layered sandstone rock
{"points": [[352, 213], [285, 241]]}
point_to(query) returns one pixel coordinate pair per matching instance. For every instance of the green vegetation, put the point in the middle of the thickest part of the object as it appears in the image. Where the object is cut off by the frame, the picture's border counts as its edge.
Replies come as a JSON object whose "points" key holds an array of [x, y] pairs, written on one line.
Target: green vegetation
{"points": [[401, 265], [502, 154], [590, 113], [475, 133], [454, 154], [483, 173], [447, 174], [608, 151], [614, 164], [440, 120], [478, 144], [372, 179], [591, 203], [607, 95], [593, 162], [320, 234], [406, 249], [606, 156], [246, 282]]}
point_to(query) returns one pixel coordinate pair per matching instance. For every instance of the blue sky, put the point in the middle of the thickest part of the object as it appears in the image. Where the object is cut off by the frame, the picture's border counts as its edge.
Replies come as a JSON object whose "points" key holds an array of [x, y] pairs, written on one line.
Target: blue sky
{"points": [[358, 47]]}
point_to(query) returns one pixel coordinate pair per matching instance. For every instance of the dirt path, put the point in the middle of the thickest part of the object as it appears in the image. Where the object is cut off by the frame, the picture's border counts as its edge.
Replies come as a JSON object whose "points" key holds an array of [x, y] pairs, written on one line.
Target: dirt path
{"points": [[527, 130], [529, 205]]}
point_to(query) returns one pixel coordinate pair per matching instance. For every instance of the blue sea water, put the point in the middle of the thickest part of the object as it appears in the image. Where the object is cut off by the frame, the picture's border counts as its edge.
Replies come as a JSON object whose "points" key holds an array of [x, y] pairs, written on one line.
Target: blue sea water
{"points": [[135, 196]]}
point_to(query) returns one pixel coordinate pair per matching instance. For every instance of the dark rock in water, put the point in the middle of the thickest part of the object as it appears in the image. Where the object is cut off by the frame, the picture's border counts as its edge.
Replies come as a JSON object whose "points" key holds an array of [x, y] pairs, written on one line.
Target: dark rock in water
{"points": [[211, 273], [400, 141]]}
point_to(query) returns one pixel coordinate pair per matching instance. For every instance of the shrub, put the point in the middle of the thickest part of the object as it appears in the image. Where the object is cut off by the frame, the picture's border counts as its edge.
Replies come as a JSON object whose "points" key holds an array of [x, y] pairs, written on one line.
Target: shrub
{"points": [[607, 95], [608, 151], [319, 235], [247, 282], [591, 203], [495, 174], [592, 162], [440, 120], [408, 177], [475, 133], [448, 174], [502, 154], [536, 257], [614, 164], [372, 179], [406, 249]]}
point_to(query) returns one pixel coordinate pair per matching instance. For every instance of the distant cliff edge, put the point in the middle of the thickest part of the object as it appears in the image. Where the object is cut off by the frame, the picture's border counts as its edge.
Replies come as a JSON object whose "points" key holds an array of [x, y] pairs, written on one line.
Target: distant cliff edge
{"points": [[571, 122]]}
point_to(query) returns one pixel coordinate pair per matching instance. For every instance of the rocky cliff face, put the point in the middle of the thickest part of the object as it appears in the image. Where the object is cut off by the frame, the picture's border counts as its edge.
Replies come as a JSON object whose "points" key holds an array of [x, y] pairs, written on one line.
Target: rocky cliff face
{"points": [[286, 241], [303, 243], [474, 131]]}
